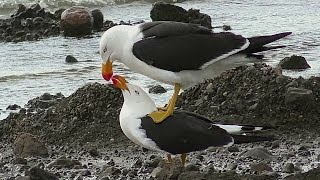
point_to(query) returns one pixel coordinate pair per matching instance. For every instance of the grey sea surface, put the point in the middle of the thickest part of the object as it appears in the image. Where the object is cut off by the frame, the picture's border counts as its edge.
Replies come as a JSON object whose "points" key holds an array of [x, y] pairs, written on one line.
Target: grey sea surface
{"points": [[29, 69]]}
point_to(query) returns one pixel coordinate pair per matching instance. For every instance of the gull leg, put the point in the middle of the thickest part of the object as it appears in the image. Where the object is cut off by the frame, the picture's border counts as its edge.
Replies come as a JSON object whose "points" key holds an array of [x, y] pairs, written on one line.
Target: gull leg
{"points": [[169, 158], [183, 158], [159, 116]]}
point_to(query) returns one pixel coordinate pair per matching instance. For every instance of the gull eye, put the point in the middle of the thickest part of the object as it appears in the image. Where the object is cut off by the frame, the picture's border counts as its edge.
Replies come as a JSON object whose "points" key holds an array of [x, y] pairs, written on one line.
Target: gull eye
{"points": [[137, 92], [105, 50]]}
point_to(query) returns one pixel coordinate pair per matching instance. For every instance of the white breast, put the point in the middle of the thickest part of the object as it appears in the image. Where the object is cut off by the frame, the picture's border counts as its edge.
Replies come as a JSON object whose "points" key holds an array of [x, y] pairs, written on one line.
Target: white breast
{"points": [[131, 127]]}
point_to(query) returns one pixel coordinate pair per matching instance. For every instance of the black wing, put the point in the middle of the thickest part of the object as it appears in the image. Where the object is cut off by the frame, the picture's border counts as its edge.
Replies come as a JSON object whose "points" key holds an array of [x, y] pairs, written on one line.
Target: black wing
{"points": [[180, 46], [182, 133]]}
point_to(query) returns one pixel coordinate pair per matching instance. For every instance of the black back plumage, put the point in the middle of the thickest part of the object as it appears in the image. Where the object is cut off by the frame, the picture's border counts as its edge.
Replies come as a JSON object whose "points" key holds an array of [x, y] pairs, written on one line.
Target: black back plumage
{"points": [[175, 46], [184, 133]]}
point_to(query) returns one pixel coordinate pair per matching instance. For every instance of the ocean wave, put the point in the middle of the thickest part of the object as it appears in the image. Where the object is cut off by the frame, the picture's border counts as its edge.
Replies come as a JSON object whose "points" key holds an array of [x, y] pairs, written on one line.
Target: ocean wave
{"points": [[9, 4]]}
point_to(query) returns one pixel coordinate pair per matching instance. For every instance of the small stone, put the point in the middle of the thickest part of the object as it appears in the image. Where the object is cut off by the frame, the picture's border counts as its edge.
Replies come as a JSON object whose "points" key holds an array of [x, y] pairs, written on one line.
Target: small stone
{"points": [[19, 160], [155, 161], [275, 144], [110, 171], [13, 107], [155, 172], [27, 145], [157, 89], [63, 162], [226, 27], [233, 149], [71, 59], [38, 173], [253, 107], [85, 173], [289, 168], [138, 163], [258, 153], [232, 166], [260, 167], [94, 152], [192, 167]]}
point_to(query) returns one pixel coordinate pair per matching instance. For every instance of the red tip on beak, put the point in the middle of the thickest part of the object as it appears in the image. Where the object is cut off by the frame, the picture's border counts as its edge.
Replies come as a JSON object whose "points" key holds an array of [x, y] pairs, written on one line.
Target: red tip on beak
{"points": [[107, 70], [120, 82]]}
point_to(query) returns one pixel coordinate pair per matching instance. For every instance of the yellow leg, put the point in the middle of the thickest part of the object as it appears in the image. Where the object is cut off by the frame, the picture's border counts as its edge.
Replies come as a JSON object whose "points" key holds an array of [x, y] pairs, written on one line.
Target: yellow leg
{"points": [[160, 115], [183, 158], [169, 158]]}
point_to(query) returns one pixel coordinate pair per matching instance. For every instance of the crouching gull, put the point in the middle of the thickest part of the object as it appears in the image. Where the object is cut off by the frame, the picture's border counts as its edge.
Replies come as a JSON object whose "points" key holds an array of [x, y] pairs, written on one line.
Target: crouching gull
{"points": [[178, 53], [182, 133]]}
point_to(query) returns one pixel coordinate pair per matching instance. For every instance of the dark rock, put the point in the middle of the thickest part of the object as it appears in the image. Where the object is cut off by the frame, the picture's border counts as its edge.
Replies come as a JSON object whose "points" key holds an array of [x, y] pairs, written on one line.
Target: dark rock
{"points": [[299, 98], [233, 149], [58, 13], [192, 167], [71, 59], [109, 171], [63, 162], [194, 16], [275, 144], [260, 167], [226, 27], [21, 8], [155, 161], [169, 12], [85, 173], [313, 174], [94, 152], [157, 89], [19, 160], [294, 62], [35, 7], [27, 145], [20, 33], [138, 163], [97, 19], [37, 173], [13, 107], [168, 171], [258, 153], [40, 13], [289, 168], [232, 166], [76, 21]]}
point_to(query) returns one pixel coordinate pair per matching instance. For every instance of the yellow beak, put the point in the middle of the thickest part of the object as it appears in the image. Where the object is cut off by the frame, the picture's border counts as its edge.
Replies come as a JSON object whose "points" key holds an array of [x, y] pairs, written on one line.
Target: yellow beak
{"points": [[107, 70], [120, 82]]}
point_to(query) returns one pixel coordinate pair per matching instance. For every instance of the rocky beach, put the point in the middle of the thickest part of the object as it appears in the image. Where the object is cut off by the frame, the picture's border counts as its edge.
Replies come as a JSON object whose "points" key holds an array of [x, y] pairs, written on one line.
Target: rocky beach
{"points": [[78, 136]]}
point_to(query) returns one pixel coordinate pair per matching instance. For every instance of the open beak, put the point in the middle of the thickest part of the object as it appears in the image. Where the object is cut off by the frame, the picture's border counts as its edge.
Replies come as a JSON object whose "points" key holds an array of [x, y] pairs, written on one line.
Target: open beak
{"points": [[120, 82], [107, 70]]}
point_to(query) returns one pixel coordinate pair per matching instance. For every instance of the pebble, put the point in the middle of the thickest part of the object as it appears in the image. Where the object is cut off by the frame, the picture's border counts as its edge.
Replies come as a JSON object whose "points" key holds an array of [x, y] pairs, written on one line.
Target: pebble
{"points": [[157, 89], [260, 167], [258, 153], [289, 168], [233, 149]]}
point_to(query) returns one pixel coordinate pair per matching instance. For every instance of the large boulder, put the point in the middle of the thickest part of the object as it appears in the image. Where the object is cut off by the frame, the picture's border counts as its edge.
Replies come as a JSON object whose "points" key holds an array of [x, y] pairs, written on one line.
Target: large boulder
{"points": [[76, 21], [294, 62], [27, 145], [169, 12]]}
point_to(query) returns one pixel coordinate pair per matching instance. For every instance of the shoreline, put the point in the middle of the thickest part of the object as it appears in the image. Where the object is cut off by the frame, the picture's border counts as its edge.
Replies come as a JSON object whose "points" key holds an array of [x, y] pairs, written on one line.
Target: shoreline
{"points": [[88, 119]]}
